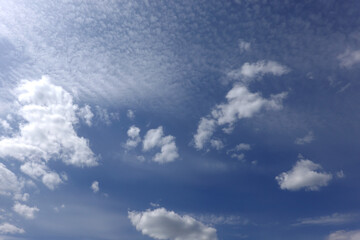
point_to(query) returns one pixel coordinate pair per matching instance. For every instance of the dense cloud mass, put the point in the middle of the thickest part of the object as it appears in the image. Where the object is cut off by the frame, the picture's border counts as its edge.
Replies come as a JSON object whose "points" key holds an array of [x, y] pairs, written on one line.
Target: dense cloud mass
{"points": [[162, 224]]}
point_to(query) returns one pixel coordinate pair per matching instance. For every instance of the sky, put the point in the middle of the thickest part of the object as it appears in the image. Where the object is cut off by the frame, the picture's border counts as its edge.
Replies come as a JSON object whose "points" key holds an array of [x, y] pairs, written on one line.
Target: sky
{"points": [[179, 120]]}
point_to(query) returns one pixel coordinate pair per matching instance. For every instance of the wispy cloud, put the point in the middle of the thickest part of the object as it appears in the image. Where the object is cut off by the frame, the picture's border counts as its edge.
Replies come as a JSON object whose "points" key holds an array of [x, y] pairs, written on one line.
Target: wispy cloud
{"points": [[333, 219]]}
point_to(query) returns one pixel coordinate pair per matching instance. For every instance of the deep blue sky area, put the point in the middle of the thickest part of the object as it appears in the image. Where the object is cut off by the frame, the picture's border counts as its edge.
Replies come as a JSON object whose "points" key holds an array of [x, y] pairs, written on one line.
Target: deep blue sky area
{"points": [[179, 120]]}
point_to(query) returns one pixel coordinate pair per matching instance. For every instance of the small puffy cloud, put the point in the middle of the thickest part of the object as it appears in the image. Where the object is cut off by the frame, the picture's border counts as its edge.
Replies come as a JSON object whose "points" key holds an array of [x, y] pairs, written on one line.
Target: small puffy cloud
{"points": [[249, 71], [344, 235], [204, 132], [244, 46], [86, 114], [349, 58], [95, 186], [155, 138], [243, 147], [134, 137], [7, 228], [217, 144], [308, 138], [51, 180], [162, 224], [25, 211], [241, 103], [130, 114], [333, 219], [9, 183], [104, 116], [305, 174]]}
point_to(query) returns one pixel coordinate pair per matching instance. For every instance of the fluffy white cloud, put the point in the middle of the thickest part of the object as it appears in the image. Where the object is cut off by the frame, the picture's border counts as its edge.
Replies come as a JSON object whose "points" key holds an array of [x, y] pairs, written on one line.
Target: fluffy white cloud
{"points": [[303, 175], [349, 58], [134, 137], [155, 138], [39, 169], [9, 183], [86, 114], [162, 224], [345, 235], [250, 70], [48, 131], [7, 228], [95, 186], [25, 211], [241, 103], [242, 147], [308, 138]]}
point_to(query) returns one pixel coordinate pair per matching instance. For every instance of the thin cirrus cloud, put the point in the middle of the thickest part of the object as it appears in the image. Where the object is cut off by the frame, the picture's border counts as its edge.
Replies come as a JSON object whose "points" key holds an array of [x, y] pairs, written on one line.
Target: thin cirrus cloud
{"points": [[334, 219], [349, 58], [163, 224], [304, 175], [10, 185]]}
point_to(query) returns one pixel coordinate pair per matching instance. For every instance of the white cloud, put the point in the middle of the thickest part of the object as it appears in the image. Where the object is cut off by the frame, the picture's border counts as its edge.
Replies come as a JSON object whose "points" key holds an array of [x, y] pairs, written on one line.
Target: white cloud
{"points": [[345, 235], [249, 71], [25, 211], [349, 58], [7, 228], [333, 219], [9, 183], [155, 138], [104, 116], [239, 157], [95, 186], [130, 114], [86, 114], [244, 46], [243, 147], [308, 138], [241, 103], [163, 224], [39, 169], [48, 131], [204, 132], [217, 144], [134, 137], [5, 125], [303, 175]]}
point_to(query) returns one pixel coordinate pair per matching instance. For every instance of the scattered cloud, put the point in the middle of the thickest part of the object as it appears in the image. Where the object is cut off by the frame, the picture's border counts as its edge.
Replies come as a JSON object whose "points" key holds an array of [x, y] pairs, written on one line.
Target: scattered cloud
{"points": [[304, 174], [155, 138], [25, 211], [349, 58], [244, 46], [9, 183], [95, 186], [344, 235], [213, 219], [241, 103], [333, 219], [340, 174], [243, 147], [162, 224], [134, 137], [130, 114], [239, 156], [86, 114], [308, 138], [104, 116], [217, 144], [249, 71], [7, 228]]}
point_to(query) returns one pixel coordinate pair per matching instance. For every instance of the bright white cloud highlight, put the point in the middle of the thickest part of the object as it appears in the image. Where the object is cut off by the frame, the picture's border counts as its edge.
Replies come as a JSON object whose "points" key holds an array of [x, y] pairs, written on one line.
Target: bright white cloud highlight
{"points": [[25, 211], [349, 58], [7, 228], [241, 103], [134, 137], [345, 235], [162, 224], [305, 174], [308, 138], [95, 186], [155, 138]]}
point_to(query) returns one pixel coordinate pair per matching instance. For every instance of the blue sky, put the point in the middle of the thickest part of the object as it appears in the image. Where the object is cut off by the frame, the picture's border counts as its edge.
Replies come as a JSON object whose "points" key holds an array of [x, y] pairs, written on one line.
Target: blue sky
{"points": [[179, 120]]}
